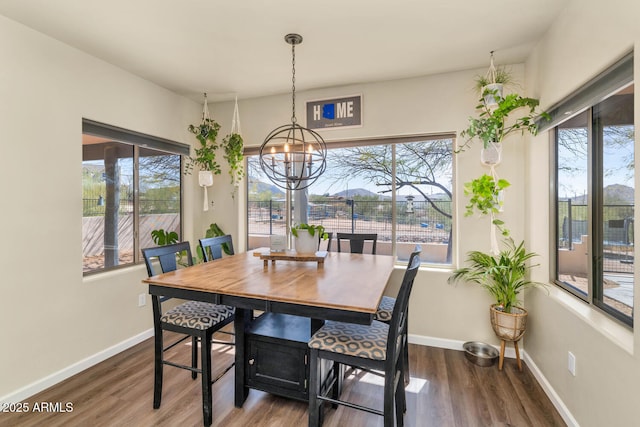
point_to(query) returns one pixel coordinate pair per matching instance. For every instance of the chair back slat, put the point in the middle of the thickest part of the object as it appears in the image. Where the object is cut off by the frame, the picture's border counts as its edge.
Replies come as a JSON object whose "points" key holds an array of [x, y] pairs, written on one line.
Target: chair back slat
{"points": [[166, 257], [328, 240], [213, 247], [398, 326], [357, 241]]}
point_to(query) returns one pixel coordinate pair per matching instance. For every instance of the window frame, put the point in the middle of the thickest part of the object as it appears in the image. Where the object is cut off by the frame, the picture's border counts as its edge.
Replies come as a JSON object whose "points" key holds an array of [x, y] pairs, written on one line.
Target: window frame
{"points": [[586, 100], [138, 141], [392, 141]]}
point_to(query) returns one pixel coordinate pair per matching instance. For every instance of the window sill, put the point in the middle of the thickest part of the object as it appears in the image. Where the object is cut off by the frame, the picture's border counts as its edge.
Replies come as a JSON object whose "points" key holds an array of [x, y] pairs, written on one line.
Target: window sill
{"points": [[616, 332], [100, 276]]}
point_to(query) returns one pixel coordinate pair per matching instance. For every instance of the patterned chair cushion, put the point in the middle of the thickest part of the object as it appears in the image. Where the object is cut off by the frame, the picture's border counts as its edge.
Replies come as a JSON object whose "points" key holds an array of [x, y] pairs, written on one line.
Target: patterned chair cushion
{"points": [[385, 309], [197, 315], [366, 341]]}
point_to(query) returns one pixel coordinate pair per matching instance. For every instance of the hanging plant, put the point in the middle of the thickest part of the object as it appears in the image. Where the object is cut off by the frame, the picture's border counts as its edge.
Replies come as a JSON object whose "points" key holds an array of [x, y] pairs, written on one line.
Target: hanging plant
{"points": [[485, 197], [501, 76], [491, 124], [205, 157], [233, 153], [206, 133]]}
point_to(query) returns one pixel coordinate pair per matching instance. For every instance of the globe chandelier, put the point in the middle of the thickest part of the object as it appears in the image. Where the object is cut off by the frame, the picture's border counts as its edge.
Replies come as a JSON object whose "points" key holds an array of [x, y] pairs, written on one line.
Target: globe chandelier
{"points": [[291, 156]]}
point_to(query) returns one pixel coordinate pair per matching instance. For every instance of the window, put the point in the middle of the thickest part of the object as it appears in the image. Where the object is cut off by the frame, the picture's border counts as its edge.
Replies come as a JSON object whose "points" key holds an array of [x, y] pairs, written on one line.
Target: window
{"points": [[399, 188], [594, 202], [131, 185]]}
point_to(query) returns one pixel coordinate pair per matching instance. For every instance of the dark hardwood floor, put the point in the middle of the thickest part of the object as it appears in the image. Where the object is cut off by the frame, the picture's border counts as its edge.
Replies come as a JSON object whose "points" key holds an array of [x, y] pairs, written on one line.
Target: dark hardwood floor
{"points": [[445, 390]]}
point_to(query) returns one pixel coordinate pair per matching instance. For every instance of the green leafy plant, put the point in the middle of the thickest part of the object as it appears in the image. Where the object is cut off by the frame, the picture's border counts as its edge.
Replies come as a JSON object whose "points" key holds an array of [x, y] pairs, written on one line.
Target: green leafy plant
{"points": [[503, 275], [312, 229], [233, 153], [491, 125], [206, 133], [162, 238], [502, 76], [484, 197], [212, 231]]}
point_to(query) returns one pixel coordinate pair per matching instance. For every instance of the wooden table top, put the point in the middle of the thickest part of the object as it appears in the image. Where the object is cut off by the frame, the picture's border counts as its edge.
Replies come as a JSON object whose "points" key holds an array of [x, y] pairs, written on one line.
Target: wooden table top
{"points": [[353, 282]]}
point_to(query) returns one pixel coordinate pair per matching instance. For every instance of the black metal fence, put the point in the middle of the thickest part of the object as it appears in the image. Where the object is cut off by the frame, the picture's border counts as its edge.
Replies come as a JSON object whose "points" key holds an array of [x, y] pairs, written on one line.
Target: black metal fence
{"points": [[96, 207], [419, 221], [617, 232]]}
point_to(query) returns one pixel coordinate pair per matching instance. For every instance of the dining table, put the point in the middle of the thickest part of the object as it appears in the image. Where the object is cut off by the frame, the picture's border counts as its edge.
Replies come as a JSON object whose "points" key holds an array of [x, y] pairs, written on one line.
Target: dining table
{"points": [[294, 299]]}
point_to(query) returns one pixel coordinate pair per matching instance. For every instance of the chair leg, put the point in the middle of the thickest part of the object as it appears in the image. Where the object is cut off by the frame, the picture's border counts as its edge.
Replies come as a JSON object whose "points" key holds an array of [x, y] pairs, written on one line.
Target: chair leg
{"points": [[194, 356], [207, 398], [401, 396], [401, 401], [405, 365], [314, 388], [157, 368], [338, 372], [390, 385]]}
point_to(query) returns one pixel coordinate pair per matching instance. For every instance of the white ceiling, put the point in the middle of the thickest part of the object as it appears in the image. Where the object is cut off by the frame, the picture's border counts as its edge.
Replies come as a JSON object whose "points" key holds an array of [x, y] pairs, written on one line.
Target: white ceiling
{"points": [[235, 47]]}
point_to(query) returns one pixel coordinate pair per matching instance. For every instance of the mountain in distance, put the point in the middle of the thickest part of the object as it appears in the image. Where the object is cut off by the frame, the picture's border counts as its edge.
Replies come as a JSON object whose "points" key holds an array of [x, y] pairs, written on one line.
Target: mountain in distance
{"points": [[361, 192], [618, 193], [257, 187], [612, 194]]}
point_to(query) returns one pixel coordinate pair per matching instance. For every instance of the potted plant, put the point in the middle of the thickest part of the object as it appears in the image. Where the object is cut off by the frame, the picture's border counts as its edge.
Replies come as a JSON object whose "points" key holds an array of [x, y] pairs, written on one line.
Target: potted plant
{"points": [[205, 158], [504, 276], [491, 86], [233, 145], [307, 237], [491, 126]]}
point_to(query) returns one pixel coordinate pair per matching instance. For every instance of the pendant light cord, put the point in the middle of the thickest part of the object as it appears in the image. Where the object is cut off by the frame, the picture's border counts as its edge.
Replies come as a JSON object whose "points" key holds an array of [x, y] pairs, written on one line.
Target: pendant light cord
{"points": [[293, 83]]}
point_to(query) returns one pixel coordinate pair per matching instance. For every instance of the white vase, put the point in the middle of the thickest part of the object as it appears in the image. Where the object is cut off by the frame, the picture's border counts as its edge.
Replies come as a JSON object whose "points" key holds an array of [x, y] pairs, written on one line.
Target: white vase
{"points": [[306, 243], [492, 155]]}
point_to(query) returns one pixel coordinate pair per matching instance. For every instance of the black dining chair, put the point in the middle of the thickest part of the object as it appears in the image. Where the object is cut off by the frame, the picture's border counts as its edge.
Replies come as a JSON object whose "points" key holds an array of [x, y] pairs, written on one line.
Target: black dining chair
{"points": [[195, 319], [214, 247], [376, 347], [385, 308], [357, 241]]}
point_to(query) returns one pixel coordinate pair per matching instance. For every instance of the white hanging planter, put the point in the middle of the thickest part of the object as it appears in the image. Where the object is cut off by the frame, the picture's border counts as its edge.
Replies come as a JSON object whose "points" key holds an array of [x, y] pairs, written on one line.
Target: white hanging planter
{"points": [[205, 179], [306, 243], [493, 92], [492, 155]]}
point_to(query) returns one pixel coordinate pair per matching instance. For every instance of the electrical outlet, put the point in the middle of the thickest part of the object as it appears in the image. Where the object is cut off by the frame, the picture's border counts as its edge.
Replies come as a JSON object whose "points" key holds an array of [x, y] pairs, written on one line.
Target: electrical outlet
{"points": [[571, 364], [142, 300]]}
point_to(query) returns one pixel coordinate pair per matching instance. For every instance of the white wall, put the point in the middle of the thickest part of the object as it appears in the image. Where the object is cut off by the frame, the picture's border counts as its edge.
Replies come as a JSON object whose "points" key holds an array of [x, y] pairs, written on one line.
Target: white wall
{"points": [[585, 39], [52, 318]]}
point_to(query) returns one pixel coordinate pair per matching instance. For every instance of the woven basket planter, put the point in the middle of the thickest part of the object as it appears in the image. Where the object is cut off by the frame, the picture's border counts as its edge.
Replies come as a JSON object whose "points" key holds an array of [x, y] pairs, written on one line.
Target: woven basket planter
{"points": [[508, 326]]}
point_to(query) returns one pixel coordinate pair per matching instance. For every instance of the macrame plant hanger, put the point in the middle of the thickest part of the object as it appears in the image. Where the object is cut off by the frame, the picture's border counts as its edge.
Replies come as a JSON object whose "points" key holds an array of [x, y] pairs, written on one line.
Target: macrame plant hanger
{"points": [[205, 179], [494, 229], [491, 73], [235, 122], [493, 158]]}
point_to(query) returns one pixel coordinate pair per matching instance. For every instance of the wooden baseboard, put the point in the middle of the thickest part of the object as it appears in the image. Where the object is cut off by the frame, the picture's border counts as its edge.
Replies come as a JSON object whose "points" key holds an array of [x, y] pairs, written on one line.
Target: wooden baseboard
{"points": [[61, 375]]}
